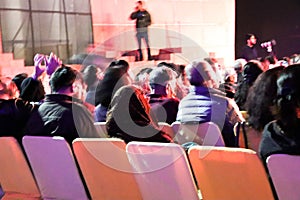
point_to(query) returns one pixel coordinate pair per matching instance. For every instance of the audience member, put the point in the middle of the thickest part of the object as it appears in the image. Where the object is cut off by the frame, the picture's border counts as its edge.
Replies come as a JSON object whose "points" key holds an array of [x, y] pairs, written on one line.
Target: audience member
{"points": [[18, 79], [142, 79], [14, 112], [178, 88], [282, 135], [229, 85], [260, 101], [204, 104], [61, 114], [115, 76], [91, 79], [250, 73], [129, 117], [163, 105], [239, 67], [260, 108]]}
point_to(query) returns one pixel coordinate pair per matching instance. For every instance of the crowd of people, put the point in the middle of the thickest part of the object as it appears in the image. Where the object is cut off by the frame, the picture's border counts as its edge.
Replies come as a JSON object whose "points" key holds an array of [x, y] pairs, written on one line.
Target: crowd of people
{"points": [[58, 100]]}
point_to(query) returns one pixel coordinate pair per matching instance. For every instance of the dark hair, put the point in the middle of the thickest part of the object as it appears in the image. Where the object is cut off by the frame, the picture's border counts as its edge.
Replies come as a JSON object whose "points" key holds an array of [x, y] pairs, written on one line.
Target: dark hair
{"points": [[62, 77], [248, 36], [32, 90], [140, 2], [18, 79], [90, 75], [129, 117], [113, 79], [271, 59], [260, 101], [122, 64], [250, 72], [288, 96]]}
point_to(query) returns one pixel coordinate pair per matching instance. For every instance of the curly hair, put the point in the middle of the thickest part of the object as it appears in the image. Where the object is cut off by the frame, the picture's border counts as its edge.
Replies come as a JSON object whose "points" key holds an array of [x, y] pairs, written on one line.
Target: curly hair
{"points": [[288, 97], [260, 101], [250, 72]]}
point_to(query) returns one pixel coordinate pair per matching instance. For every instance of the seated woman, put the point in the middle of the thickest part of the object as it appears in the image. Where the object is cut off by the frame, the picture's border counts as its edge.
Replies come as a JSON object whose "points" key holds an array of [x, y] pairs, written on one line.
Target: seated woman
{"points": [[128, 117], [14, 112], [250, 72], [115, 76], [282, 135], [259, 107]]}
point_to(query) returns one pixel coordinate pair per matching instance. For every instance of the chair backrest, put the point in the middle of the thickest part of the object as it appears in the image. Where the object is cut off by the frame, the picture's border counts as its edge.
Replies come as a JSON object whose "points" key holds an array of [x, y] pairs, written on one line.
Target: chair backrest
{"points": [[162, 171], [167, 128], [247, 137], [16, 178], [206, 134], [54, 168], [101, 127], [284, 172], [106, 169], [229, 173]]}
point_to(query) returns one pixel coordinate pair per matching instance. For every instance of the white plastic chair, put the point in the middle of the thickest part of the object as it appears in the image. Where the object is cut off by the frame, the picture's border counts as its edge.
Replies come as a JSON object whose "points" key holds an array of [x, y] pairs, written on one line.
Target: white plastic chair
{"points": [[284, 172], [54, 168], [205, 134]]}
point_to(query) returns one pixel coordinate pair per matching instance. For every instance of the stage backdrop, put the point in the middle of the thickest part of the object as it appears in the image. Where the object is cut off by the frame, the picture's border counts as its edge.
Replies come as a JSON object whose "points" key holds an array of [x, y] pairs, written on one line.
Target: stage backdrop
{"points": [[200, 27]]}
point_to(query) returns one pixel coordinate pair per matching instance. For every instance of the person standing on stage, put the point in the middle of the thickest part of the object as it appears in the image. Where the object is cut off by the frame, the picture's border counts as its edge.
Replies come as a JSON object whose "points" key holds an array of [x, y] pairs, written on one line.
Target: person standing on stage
{"points": [[143, 20], [249, 51]]}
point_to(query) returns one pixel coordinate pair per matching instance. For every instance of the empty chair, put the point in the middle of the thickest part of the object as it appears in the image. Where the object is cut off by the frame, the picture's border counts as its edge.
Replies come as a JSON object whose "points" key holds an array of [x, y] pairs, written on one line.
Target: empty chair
{"points": [[206, 134], [54, 168], [162, 171], [229, 173], [101, 127], [284, 172], [16, 179], [106, 169]]}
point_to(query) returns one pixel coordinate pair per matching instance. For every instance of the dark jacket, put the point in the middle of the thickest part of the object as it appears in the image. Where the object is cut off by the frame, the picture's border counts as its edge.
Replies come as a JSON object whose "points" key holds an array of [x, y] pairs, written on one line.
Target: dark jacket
{"points": [[62, 115], [275, 141], [14, 114], [164, 108], [143, 20]]}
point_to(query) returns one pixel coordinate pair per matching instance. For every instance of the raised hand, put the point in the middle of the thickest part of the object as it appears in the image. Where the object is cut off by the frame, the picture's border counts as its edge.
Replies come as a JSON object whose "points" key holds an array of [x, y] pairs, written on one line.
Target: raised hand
{"points": [[38, 70], [52, 63]]}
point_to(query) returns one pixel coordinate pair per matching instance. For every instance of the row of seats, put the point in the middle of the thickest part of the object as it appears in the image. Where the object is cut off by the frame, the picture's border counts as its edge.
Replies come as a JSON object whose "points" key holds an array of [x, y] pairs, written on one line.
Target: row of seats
{"points": [[139, 170], [207, 133]]}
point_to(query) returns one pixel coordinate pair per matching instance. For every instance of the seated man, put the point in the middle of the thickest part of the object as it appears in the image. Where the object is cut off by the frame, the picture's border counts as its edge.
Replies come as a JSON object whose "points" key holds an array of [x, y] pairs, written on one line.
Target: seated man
{"points": [[204, 104], [163, 106], [61, 114]]}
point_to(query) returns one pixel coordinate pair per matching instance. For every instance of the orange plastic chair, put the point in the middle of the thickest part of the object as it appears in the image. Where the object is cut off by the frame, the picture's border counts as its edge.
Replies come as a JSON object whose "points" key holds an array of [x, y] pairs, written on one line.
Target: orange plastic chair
{"points": [[229, 173], [162, 171], [16, 178], [106, 169]]}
